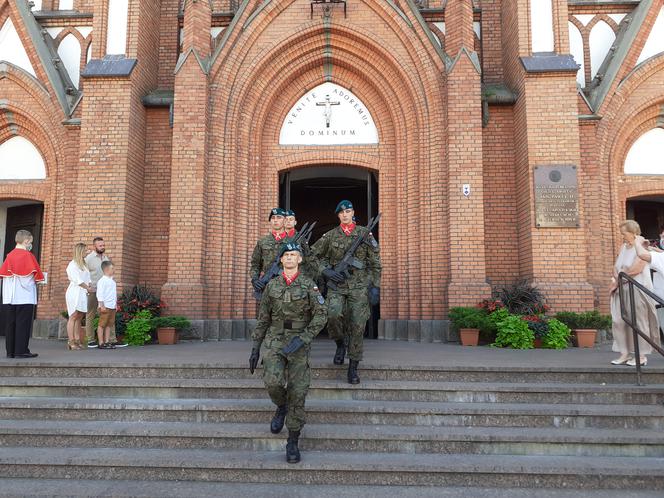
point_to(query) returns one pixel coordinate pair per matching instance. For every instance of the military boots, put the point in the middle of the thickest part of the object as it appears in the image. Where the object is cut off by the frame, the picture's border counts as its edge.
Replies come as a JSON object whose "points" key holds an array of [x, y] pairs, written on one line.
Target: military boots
{"points": [[292, 451], [340, 353], [278, 420], [353, 377]]}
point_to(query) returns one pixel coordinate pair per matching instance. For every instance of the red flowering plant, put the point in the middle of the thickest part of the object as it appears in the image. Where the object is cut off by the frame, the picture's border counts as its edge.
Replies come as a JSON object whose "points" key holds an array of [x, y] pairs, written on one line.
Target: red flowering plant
{"points": [[491, 305], [132, 301]]}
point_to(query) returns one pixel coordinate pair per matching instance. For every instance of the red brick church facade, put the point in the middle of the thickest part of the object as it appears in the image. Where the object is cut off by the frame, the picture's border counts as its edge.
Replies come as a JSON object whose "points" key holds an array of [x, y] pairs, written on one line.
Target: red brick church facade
{"points": [[164, 137]]}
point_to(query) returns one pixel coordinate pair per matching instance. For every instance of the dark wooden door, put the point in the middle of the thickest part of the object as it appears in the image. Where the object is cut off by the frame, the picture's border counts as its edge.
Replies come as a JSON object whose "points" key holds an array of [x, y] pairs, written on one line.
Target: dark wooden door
{"points": [[24, 218]]}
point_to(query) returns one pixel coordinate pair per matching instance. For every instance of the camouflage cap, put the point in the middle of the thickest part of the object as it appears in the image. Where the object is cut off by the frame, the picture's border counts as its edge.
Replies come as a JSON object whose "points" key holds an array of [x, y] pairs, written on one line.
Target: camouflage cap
{"points": [[343, 205], [276, 212]]}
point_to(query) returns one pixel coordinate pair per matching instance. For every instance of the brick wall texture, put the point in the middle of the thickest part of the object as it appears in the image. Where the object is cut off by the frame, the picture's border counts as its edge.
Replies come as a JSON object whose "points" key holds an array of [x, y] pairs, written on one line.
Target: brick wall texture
{"points": [[180, 190]]}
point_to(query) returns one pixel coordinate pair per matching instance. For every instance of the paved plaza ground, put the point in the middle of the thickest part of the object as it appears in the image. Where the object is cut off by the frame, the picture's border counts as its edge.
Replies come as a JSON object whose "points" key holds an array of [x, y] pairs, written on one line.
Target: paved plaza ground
{"points": [[377, 354]]}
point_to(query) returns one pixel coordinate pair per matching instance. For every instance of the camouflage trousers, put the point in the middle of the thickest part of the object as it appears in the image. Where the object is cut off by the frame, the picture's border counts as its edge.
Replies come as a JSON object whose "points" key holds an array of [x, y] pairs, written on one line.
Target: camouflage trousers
{"points": [[347, 314], [287, 378]]}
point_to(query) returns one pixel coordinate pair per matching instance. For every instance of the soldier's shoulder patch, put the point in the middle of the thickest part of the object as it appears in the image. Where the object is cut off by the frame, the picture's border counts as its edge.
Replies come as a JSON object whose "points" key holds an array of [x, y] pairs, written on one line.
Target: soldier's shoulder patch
{"points": [[319, 296]]}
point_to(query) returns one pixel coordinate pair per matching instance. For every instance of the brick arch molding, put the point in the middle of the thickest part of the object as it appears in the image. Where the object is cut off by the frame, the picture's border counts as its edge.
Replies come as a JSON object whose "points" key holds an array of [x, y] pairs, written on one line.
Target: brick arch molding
{"points": [[257, 87]]}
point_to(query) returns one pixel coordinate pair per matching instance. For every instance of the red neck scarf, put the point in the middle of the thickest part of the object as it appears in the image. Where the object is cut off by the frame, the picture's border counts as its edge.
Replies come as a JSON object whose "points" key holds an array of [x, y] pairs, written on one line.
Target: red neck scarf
{"points": [[21, 263], [347, 229], [289, 280], [278, 236], [291, 232]]}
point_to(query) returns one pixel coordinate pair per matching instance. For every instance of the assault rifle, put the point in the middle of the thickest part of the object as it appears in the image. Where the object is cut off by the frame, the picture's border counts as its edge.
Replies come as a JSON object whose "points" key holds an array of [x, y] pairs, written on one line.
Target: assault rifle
{"points": [[275, 269], [348, 263]]}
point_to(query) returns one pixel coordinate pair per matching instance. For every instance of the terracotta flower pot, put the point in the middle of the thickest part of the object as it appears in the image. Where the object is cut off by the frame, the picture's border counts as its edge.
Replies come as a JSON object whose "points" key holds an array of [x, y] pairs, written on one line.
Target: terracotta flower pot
{"points": [[469, 337], [585, 338], [537, 343], [167, 335]]}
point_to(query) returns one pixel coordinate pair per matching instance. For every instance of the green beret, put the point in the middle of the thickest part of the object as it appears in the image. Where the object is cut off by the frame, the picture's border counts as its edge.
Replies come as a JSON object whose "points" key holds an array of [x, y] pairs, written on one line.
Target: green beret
{"points": [[343, 205], [289, 212], [276, 212], [290, 246]]}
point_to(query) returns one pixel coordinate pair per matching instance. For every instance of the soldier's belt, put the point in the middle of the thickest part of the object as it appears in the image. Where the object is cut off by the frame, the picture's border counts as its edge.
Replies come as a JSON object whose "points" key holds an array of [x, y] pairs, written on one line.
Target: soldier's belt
{"points": [[290, 324]]}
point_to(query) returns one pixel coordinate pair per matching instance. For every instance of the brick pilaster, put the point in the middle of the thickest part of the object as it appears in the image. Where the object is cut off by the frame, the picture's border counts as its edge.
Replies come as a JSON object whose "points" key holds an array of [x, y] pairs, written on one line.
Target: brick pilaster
{"points": [[464, 113], [184, 292]]}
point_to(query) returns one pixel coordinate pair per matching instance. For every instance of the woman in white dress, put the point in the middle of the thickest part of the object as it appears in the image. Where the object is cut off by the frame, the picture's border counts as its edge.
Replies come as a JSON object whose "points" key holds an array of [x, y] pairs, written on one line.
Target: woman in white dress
{"points": [[646, 318], [77, 296]]}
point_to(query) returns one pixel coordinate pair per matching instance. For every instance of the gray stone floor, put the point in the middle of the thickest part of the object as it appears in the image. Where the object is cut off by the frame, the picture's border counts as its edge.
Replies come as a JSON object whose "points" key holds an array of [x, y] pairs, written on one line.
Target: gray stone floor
{"points": [[377, 353]]}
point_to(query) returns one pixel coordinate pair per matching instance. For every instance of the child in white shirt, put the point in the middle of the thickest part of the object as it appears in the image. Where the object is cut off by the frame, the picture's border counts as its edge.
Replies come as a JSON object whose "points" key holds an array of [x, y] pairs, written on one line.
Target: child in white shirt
{"points": [[107, 297]]}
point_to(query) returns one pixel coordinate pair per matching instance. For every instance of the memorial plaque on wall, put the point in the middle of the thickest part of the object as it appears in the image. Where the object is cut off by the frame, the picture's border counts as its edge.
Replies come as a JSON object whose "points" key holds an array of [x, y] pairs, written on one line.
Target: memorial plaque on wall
{"points": [[556, 196]]}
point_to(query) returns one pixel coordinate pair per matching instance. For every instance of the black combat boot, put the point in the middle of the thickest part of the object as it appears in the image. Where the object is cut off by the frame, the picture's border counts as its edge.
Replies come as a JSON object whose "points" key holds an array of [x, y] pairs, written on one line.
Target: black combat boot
{"points": [[278, 420], [353, 378], [292, 451], [340, 353]]}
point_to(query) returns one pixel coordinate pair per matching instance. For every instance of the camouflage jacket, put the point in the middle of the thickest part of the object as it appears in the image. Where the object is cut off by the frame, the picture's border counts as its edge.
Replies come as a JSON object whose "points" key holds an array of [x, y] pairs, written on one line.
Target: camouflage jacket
{"points": [[264, 254], [331, 248], [295, 309]]}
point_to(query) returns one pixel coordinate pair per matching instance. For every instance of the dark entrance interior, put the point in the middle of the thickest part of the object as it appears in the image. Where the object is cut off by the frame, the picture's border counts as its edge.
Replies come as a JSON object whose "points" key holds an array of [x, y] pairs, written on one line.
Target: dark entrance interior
{"points": [[314, 192], [19, 215], [649, 213]]}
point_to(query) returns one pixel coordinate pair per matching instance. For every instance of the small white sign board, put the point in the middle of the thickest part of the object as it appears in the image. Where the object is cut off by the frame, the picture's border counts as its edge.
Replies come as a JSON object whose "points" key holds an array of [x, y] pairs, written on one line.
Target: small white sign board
{"points": [[328, 115]]}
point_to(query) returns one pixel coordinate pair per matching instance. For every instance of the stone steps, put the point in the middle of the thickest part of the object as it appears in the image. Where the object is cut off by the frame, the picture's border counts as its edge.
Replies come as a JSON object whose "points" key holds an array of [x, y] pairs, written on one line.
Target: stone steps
{"points": [[15, 488], [339, 412], [524, 375], [369, 390], [335, 438], [334, 467]]}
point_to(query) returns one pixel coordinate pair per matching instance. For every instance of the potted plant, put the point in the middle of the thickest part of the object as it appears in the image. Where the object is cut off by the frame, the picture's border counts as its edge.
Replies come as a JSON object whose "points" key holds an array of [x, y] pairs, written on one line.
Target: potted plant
{"points": [[468, 321], [557, 336], [540, 328], [585, 325], [138, 329], [168, 327], [514, 332]]}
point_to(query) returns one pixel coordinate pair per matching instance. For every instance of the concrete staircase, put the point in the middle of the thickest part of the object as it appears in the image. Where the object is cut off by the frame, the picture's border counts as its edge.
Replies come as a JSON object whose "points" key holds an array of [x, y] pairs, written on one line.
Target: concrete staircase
{"points": [[202, 430]]}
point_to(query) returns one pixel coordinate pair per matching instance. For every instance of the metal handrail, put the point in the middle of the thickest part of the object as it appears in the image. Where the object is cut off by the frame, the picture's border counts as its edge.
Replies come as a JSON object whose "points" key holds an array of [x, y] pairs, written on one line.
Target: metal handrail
{"points": [[627, 283]]}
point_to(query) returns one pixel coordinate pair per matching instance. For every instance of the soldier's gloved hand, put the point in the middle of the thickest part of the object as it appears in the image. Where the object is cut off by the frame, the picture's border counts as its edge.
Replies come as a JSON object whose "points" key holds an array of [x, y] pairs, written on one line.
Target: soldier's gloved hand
{"points": [[253, 359], [333, 275], [257, 284], [374, 295], [294, 344]]}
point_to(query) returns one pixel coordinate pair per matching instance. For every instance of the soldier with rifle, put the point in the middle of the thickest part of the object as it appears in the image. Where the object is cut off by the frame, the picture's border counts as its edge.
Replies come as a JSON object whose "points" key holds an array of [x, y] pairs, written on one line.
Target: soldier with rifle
{"points": [[349, 259], [274, 269], [267, 248], [292, 312]]}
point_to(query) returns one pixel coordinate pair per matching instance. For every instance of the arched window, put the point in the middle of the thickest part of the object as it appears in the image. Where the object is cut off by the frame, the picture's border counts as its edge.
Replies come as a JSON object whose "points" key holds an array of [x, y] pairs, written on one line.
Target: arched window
{"points": [[646, 156], [20, 160], [576, 48], [70, 53], [600, 41]]}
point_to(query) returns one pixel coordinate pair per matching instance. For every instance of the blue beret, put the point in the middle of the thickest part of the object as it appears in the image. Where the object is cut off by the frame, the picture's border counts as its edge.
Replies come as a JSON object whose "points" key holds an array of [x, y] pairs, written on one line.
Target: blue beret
{"points": [[343, 205], [276, 212], [290, 246]]}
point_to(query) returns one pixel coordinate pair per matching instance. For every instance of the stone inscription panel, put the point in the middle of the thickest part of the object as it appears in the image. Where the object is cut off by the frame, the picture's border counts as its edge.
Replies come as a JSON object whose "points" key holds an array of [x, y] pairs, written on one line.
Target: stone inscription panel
{"points": [[556, 196]]}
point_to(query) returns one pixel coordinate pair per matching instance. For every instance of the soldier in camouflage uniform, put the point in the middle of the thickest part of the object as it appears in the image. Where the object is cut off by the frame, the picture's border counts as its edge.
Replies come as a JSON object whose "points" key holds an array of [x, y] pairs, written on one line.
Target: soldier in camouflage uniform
{"points": [[309, 266], [267, 248], [292, 312], [349, 305]]}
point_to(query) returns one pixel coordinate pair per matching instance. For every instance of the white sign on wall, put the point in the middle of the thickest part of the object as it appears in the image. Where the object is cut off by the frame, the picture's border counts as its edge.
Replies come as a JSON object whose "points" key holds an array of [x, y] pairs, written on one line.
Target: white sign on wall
{"points": [[328, 115]]}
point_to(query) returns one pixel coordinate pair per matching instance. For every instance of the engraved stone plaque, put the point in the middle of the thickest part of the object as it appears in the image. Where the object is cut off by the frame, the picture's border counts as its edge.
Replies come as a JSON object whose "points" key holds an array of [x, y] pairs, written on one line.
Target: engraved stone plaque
{"points": [[556, 196]]}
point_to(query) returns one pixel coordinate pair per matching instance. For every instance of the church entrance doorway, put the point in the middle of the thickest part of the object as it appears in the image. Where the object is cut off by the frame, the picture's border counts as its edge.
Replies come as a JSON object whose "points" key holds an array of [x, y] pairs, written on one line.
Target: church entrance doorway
{"points": [[649, 213], [18, 215], [314, 192]]}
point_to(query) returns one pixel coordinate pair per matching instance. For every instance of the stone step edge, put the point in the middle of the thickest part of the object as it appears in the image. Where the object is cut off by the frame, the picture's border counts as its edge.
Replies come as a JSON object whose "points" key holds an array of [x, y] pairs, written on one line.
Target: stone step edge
{"points": [[28, 364], [340, 406], [93, 429], [332, 461], [373, 385], [15, 487]]}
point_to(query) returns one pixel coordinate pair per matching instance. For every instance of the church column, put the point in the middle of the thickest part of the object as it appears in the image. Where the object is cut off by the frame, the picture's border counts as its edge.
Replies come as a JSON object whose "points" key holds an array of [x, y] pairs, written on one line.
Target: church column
{"points": [[184, 293], [465, 186], [540, 69]]}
